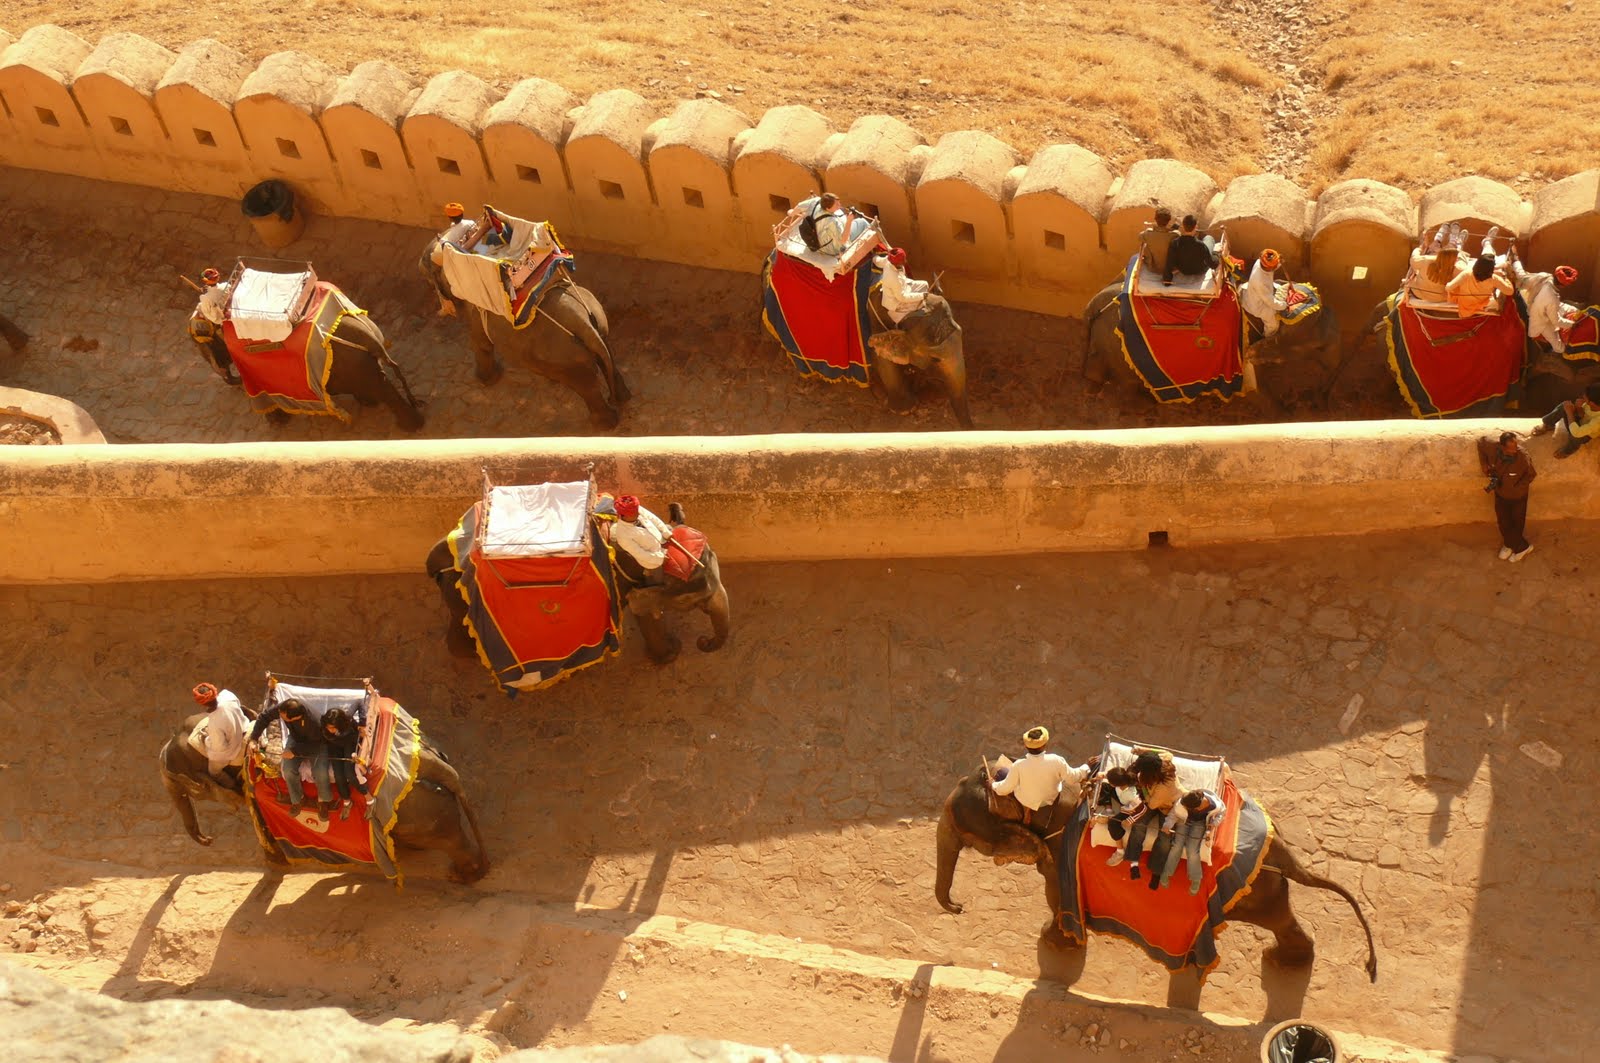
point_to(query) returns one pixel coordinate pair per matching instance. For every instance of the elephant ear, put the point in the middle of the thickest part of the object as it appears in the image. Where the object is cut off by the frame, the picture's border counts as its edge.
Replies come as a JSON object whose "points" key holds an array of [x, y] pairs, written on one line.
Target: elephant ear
{"points": [[943, 323], [893, 345]]}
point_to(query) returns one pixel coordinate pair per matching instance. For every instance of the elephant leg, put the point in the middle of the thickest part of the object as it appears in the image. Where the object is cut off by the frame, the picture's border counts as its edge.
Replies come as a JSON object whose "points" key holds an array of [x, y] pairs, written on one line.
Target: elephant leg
{"points": [[1267, 906], [896, 386], [487, 367], [953, 371], [660, 644], [589, 382]]}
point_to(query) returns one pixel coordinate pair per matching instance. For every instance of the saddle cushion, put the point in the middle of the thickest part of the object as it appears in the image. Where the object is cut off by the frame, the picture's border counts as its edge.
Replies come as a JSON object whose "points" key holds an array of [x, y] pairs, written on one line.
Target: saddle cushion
{"points": [[684, 550]]}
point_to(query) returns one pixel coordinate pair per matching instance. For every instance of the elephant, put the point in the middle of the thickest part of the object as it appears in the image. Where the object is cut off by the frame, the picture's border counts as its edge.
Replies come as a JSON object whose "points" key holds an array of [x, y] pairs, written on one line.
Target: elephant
{"points": [[648, 604], [430, 818], [928, 341], [967, 821], [565, 342], [1548, 379], [1310, 349], [361, 367]]}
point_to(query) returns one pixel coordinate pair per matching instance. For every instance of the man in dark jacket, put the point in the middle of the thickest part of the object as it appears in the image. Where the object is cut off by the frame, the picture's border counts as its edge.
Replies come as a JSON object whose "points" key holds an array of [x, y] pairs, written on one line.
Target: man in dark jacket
{"points": [[1510, 471], [303, 741], [1191, 253]]}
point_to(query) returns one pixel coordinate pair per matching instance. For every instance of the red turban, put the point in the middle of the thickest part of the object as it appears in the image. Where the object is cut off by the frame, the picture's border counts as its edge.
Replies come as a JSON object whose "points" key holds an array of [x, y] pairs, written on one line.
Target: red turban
{"points": [[1566, 275], [627, 507], [204, 694], [897, 256]]}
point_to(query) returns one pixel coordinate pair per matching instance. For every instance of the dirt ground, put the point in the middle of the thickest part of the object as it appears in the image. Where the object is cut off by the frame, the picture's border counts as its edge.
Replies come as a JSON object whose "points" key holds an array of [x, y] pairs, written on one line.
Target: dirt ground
{"points": [[690, 341], [787, 786], [1414, 94]]}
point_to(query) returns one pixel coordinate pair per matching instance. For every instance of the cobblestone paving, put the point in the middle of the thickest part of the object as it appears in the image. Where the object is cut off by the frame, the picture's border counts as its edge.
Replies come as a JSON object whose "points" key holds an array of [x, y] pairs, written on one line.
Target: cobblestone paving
{"points": [[788, 784], [90, 270]]}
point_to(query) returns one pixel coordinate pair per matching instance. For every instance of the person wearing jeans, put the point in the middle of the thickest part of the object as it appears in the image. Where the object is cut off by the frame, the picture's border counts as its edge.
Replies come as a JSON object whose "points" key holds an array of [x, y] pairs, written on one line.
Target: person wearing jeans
{"points": [[302, 742], [1202, 811], [1581, 418]]}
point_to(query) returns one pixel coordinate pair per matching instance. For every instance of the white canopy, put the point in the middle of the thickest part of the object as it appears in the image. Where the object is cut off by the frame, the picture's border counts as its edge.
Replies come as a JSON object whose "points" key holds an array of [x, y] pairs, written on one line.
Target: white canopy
{"points": [[538, 520], [267, 306]]}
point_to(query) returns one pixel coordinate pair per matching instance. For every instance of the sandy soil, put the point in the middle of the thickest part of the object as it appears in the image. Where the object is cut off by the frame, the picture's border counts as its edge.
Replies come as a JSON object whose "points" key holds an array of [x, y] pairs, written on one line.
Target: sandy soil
{"points": [[787, 786]]}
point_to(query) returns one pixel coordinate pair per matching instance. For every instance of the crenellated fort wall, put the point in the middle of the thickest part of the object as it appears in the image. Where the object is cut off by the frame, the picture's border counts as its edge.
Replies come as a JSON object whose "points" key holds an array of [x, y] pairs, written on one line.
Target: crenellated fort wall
{"points": [[704, 184]]}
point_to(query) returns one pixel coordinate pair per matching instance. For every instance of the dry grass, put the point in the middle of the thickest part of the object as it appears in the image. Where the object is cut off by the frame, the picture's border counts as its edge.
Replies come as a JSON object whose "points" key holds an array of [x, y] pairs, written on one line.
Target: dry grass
{"points": [[1145, 78]]}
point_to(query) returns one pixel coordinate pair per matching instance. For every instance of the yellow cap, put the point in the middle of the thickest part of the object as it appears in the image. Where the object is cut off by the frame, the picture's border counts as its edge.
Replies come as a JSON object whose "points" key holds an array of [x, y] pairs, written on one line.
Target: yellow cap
{"points": [[454, 210], [1036, 738]]}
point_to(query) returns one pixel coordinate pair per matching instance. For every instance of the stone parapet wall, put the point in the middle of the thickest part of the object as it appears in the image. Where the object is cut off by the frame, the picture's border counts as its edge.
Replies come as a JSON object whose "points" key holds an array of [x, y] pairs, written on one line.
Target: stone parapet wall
{"points": [[704, 184], [280, 509]]}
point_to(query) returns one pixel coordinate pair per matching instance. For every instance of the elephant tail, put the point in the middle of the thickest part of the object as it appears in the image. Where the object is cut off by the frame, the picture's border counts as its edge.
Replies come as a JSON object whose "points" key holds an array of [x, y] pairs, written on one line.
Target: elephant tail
{"points": [[439, 771], [1291, 869]]}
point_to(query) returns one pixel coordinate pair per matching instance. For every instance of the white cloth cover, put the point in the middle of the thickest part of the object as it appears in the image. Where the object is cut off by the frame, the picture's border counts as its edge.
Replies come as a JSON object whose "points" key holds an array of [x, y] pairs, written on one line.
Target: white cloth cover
{"points": [[1183, 286], [267, 306], [538, 520], [474, 276], [318, 699]]}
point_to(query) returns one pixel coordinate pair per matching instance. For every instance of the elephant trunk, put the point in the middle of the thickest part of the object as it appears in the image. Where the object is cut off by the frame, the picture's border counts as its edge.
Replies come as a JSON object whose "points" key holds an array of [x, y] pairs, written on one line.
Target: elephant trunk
{"points": [[950, 846], [471, 862]]}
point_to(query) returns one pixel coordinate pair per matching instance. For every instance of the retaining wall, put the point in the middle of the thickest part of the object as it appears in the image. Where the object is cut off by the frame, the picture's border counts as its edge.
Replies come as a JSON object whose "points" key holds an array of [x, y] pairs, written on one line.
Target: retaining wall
{"points": [[379, 506], [704, 184]]}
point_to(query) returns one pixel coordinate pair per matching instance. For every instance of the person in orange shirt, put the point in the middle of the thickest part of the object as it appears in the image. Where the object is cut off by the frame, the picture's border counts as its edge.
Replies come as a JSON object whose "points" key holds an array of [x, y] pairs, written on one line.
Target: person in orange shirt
{"points": [[1480, 290]]}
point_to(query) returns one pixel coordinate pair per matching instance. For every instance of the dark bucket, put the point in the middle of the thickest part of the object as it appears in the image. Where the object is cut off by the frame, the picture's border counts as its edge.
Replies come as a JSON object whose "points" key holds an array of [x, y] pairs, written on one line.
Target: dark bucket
{"points": [[270, 206], [1298, 1041]]}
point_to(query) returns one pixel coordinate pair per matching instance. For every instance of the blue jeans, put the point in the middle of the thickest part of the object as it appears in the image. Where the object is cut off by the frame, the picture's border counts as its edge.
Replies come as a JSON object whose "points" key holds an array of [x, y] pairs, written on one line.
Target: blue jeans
{"points": [[1137, 829], [1186, 840], [321, 773], [344, 775]]}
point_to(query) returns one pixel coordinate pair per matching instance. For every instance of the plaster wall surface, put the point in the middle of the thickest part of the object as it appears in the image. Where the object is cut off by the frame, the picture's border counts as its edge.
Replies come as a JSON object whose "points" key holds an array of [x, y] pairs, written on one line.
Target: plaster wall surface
{"points": [[382, 504]]}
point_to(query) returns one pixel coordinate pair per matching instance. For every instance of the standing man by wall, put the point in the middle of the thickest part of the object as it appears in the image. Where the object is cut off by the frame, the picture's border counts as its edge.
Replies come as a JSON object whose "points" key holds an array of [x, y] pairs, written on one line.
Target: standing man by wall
{"points": [[1510, 471]]}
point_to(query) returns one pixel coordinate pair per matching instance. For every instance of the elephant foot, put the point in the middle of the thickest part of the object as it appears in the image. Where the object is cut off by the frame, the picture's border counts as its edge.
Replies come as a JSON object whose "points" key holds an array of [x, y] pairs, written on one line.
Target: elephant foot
{"points": [[273, 856], [277, 418], [202, 839], [461, 646], [366, 400], [1288, 957], [902, 403], [492, 377], [668, 655], [1052, 935], [411, 421], [605, 420], [709, 643], [953, 907]]}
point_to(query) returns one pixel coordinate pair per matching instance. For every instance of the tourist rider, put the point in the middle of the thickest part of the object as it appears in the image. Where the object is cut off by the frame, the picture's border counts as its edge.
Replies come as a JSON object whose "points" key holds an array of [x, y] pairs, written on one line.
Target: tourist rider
{"points": [[1580, 417], [1196, 814], [1157, 776], [1038, 778], [1191, 254], [1155, 243], [341, 730], [1478, 290], [303, 742]]}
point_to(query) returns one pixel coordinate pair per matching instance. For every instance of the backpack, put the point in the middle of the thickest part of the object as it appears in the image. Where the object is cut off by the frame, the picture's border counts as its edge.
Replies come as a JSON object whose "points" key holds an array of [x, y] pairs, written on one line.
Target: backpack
{"points": [[808, 231]]}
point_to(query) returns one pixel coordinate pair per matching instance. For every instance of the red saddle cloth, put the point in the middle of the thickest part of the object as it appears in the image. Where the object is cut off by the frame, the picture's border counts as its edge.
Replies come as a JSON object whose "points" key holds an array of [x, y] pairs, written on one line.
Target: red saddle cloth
{"points": [[684, 551]]}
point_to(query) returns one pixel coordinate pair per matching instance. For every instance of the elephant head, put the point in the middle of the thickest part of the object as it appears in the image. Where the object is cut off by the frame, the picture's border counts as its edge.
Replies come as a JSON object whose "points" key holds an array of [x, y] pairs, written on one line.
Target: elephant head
{"points": [[926, 341], [703, 590], [187, 779]]}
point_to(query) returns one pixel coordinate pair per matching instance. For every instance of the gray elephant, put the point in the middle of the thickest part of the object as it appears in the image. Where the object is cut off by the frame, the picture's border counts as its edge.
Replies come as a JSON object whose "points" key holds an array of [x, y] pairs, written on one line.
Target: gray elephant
{"points": [[435, 815], [992, 824], [361, 367], [1306, 356], [927, 342], [565, 342], [649, 605]]}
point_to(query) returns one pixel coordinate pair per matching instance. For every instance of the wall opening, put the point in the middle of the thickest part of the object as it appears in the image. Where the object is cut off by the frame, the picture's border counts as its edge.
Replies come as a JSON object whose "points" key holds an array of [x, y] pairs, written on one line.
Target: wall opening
{"points": [[1358, 273], [449, 166], [121, 126], [1158, 539], [869, 209], [204, 138], [288, 148], [370, 159], [46, 116], [529, 174], [780, 204], [962, 232], [693, 198], [1055, 241], [610, 190]]}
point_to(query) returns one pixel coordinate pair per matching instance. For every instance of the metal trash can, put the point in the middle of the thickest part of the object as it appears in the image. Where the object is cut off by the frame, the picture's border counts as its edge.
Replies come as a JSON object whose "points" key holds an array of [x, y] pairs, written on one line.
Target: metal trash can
{"points": [[271, 208], [1298, 1041]]}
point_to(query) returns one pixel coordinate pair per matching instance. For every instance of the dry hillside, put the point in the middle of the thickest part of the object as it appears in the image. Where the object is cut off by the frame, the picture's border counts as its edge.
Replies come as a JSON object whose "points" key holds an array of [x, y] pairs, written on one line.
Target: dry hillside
{"points": [[1401, 92]]}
